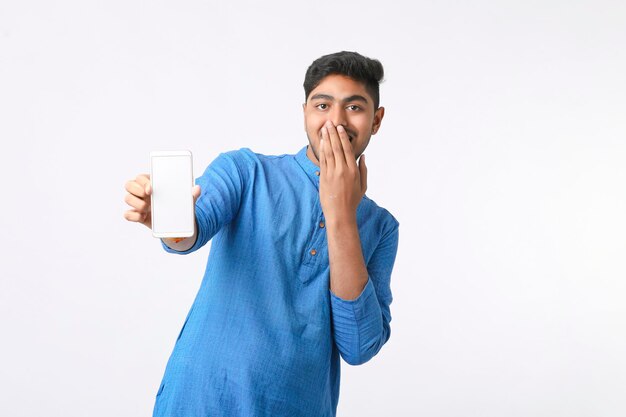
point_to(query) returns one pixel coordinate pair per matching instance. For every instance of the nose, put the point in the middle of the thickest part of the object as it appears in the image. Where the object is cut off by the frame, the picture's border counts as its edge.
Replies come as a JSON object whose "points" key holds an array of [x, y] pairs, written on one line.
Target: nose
{"points": [[338, 116]]}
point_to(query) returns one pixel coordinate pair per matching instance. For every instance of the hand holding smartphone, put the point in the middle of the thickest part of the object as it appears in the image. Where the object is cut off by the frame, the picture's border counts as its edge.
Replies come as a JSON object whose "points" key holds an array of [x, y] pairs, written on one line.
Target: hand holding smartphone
{"points": [[172, 203]]}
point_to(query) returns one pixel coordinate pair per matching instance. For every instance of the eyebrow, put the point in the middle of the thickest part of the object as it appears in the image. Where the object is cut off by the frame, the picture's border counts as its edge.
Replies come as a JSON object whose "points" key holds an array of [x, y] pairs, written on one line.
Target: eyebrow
{"points": [[355, 97]]}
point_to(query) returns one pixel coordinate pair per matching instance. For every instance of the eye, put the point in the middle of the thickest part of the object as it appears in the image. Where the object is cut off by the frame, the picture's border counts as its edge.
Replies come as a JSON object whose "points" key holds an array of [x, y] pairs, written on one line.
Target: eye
{"points": [[322, 106], [354, 107]]}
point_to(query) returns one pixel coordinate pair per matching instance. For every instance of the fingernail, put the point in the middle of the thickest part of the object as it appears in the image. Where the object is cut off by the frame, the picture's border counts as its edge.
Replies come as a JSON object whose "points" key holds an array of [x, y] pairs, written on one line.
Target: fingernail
{"points": [[340, 128]]}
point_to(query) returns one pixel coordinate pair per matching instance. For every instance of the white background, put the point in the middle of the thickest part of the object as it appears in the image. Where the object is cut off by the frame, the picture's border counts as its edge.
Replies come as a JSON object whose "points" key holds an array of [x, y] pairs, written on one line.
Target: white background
{"points": [[502, 154]]}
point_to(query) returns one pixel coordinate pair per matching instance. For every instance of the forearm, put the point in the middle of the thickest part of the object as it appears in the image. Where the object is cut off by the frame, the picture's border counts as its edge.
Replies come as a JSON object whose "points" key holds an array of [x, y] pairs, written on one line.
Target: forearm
{"points": [[348, 273], [360, 327]]}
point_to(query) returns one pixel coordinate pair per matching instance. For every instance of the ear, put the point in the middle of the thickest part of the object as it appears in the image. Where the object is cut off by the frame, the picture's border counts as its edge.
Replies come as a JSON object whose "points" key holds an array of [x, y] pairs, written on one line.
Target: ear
{"points": [[378, 118], [304, 114]]}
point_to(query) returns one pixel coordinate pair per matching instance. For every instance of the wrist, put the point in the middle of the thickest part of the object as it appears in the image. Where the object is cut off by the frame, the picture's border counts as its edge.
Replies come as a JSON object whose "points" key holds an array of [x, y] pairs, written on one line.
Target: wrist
{"points": [[346, 220]]}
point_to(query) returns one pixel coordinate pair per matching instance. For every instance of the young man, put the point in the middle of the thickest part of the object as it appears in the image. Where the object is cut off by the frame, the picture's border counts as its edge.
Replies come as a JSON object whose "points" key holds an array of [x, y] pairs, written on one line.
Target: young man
{"points": [[300, 263]]}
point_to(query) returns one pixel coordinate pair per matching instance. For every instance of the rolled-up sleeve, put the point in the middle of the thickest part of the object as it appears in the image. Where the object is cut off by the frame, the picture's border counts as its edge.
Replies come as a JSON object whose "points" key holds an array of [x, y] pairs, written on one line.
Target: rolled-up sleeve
{"points": [[221, 190], [361, 326]]}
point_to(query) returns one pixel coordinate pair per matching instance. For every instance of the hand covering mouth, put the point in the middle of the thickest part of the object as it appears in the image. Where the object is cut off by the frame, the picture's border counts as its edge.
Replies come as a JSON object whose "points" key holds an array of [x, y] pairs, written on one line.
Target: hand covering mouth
{"points": [[351, 135]]}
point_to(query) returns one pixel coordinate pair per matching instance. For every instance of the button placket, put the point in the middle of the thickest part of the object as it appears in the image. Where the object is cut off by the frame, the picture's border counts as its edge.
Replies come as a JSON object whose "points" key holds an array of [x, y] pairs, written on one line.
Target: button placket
{"points": [[315, 253]]}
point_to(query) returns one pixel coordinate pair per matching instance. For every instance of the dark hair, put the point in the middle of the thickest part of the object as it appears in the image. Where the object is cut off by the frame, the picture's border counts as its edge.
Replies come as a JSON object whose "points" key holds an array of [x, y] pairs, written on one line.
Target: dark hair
{"points": [[351, 64]]}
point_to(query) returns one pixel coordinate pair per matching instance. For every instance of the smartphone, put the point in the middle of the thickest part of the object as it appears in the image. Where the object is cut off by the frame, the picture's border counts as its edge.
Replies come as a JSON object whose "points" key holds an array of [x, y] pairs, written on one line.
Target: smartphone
{"points": [[171, 174]]}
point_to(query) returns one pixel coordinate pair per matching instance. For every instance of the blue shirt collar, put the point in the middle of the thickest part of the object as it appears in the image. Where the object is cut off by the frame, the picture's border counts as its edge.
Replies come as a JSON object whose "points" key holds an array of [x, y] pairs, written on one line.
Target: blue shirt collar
{"points": [[311, 170]]}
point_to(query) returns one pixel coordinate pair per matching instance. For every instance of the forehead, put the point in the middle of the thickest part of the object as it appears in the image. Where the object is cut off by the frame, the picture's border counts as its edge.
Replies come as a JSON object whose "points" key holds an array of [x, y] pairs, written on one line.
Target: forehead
{"points": [[340, 86]]}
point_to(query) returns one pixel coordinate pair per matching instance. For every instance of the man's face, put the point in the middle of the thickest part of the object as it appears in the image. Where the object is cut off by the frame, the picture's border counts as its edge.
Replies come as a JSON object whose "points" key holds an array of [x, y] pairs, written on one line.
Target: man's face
{"points": [[345, 102]]}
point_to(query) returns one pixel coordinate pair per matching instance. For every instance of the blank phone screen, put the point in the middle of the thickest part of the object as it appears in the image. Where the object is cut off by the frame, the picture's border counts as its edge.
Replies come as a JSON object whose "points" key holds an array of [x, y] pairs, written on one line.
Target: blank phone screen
{"points": [[172, 202]]}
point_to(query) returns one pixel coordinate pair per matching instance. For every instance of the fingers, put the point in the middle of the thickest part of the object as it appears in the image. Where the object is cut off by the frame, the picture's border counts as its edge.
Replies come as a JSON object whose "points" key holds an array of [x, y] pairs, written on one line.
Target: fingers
{"points": [[195, 193], [140, 186], [346, 146], [335, 146], [137, 203], [135, 189], [363, 173], [322, 156], [328, 150], [144, 181], [134, 216], [138, 198]]}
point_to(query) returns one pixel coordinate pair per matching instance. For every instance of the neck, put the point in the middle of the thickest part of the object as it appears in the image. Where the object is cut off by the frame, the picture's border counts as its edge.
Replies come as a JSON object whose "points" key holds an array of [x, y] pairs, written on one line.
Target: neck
{"points": [[311, 155]]}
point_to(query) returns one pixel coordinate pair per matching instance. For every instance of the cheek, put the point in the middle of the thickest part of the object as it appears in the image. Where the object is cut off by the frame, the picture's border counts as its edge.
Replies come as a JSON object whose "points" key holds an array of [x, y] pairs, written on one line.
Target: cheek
{"points": [[313, 124], [362, 123], [315, 128]]}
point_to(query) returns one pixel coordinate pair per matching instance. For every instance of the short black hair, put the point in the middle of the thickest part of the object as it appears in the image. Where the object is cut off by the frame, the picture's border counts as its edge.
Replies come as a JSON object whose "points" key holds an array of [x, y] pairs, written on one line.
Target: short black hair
{"points": [[351, 64]]}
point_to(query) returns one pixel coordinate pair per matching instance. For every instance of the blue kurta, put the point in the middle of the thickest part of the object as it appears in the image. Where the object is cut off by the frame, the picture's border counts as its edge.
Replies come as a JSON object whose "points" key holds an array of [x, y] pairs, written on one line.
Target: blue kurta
{"points": [[265, 333]]}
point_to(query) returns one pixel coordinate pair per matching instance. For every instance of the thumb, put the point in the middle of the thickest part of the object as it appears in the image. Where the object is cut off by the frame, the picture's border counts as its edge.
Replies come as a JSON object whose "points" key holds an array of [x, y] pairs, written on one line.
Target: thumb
{"points": [[195, 192], [363, 172]]}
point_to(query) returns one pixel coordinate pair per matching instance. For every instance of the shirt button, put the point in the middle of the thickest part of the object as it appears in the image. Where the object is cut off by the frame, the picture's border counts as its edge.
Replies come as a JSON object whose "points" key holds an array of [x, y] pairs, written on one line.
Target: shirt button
{"points": [[322, 224], [317, 173], [313, 252]]}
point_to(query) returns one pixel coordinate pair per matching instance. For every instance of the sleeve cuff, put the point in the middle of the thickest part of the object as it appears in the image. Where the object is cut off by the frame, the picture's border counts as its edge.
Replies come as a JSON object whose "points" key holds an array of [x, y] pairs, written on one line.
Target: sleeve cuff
{"points": [[196, 245], [357, 308], [357, 325], [170, 250]]}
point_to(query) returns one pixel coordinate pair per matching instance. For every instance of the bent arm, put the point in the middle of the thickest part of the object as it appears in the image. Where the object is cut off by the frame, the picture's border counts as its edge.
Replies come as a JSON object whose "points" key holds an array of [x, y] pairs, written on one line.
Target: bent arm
{"points": [[361, 325]]}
